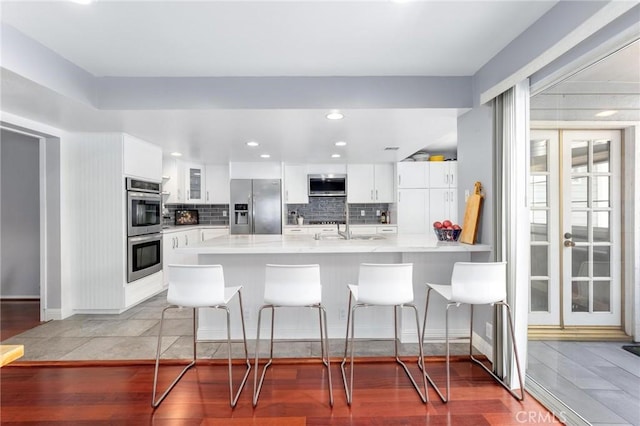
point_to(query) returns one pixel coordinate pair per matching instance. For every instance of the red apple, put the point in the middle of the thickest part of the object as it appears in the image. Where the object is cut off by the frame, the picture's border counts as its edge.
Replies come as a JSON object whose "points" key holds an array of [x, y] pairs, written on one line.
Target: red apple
{"points": [[456, 227], [446, 223], [437, 225]]}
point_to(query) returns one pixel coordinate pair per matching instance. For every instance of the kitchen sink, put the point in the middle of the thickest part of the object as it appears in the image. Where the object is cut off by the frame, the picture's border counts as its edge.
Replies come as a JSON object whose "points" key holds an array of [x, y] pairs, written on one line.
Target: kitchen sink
{"points": [[353, 237], [367, 237]]}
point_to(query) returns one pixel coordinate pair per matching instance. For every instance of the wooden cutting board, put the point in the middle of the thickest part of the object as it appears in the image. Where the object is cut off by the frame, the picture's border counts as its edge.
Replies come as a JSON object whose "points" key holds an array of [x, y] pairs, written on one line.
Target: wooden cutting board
{"points": [[471, 216]]}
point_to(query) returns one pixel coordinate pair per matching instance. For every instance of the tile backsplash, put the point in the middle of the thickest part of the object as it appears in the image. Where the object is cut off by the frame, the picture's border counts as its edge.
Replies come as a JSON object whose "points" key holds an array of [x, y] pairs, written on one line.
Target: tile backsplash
{"points": [[333, 209], [209, 214]]}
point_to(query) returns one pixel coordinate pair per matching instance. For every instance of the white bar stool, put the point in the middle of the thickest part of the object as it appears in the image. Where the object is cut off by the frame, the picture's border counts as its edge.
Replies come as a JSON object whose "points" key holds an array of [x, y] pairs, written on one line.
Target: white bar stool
{"points": [[200, 286], [473, 284], [292, 286], [381, 285]]}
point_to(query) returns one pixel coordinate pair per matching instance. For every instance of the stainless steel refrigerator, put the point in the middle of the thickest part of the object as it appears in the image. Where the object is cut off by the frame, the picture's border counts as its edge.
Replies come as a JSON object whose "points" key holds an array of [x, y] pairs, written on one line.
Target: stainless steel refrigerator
{"points": [[256, 206]]}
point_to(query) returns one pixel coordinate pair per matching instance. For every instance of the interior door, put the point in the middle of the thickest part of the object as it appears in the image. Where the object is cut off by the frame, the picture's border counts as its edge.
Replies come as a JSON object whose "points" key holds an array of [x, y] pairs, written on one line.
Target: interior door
{"points": [[591, 228], [575, 228]]}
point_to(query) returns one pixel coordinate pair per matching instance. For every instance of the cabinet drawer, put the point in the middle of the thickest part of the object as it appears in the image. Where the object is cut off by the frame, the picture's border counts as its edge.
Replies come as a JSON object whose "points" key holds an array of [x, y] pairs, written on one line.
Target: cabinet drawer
{"points": [[294, 231], [387, 229]]}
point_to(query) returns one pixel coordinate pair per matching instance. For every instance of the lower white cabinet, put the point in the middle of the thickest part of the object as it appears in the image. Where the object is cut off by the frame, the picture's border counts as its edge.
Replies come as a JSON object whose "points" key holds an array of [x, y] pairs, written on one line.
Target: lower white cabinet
{"points": [[173, 240], [299, 230], [443, 204], [413, 211]]}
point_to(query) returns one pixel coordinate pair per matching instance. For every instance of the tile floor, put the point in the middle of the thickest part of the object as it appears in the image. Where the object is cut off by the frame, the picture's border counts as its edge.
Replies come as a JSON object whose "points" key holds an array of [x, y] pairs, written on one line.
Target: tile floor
{"points": [[598, 380], [133, 335]]}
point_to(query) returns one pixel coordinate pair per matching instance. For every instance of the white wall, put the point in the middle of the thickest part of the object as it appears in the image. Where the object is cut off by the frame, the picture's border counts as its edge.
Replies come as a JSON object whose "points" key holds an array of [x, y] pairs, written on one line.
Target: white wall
{"points": [[20, 221], [475, 163]]}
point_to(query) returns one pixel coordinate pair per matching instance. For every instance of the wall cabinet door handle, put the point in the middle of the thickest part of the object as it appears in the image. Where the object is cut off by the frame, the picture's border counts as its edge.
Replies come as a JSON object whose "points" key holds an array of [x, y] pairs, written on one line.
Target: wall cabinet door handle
{"points": [[186, 240], [376, 195], [286, 195], [371, 195], [207, 195]]}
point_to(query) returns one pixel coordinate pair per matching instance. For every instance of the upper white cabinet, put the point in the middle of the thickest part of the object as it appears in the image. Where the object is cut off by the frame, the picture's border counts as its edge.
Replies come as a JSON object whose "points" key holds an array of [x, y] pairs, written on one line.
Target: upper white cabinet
{"points": [[173, 181], [194, 183], [217, 189], [443, 174], [413, 174], [295, 184], [141, 159], [384, 183], [370, 183]]}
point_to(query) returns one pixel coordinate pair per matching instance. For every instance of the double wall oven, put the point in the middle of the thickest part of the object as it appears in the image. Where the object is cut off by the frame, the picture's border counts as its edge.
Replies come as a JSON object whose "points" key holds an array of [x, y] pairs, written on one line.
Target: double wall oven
{"points": [[144, 228]]}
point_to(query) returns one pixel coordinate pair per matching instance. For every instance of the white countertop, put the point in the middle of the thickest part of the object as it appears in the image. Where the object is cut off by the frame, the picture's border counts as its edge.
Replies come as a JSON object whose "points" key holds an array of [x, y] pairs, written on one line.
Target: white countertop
{"points": [[179, 228], [266, 244]]}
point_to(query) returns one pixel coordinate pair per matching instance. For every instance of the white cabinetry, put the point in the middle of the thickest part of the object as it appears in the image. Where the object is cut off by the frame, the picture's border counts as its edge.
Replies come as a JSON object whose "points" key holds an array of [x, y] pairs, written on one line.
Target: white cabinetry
{"points": [[173, 182], [443, 204], [370, 183], [295, 184], [141, 158], [299, 230], [97, 273], [194, 183], [413, 208], [443, 191], [174, 240], [413, 174], [443, 174], [217, 189]]}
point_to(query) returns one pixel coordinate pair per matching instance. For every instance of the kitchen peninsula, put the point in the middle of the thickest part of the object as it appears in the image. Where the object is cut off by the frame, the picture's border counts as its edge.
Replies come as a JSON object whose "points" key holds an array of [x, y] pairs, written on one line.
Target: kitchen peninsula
{"points": [[244, 258]]}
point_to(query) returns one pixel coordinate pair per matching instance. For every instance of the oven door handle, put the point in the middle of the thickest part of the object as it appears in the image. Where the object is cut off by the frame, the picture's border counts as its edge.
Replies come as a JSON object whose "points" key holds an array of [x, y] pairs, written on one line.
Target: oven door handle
{"points": [[145, 195], [144, 238]]}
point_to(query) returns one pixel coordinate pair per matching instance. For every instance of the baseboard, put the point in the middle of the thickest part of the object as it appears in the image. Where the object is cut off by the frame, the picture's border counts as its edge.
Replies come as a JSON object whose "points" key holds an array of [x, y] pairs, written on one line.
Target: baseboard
{"points": [[483, 346], [53, 314], [19, 297]]}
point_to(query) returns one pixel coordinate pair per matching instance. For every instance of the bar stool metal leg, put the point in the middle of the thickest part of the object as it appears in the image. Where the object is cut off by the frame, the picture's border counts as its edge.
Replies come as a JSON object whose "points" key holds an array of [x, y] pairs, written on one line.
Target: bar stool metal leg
{"points": [[515, 354], [257, 385], [155, 403], [421, 362], [234, 398], [348, 384]]}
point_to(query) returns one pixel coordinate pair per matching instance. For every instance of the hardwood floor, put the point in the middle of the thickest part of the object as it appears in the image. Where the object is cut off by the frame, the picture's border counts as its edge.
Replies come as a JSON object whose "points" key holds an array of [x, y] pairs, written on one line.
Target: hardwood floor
{"points": [[294, 393], [17, 316]]}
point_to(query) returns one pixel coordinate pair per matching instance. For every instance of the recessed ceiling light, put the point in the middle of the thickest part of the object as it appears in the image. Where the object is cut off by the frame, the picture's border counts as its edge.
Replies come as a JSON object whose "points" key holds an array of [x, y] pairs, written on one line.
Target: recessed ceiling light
{"points": [[335, 115], [335, 155], [607, 113], [252, 144], [265, 155], [341, 143], [176, 154], [82, 1]]}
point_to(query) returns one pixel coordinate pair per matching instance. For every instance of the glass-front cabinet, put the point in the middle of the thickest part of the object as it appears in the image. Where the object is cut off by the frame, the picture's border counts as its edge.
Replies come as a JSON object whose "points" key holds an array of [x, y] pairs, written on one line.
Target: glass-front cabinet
{"points": [[194, 182]]}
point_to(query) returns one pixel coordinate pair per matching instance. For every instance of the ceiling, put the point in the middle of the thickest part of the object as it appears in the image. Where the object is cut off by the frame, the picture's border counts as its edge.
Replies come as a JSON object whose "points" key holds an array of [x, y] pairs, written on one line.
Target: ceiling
{"points": [[186, 40], [612, 84]]}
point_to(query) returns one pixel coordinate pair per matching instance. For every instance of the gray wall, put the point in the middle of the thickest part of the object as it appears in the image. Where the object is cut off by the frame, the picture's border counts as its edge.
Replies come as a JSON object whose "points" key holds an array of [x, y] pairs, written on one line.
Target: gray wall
{"points": [[475, 163], [20, 220]]}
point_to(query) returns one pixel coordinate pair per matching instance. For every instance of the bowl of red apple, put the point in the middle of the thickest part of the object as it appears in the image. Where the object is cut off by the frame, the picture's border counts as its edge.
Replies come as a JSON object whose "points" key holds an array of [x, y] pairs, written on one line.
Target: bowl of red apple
{"points": [[447, 230]]}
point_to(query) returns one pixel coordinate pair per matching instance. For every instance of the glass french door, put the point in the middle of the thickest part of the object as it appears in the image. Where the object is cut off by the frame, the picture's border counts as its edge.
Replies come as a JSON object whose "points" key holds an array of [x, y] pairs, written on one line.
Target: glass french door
{"points": [[575, 228]]}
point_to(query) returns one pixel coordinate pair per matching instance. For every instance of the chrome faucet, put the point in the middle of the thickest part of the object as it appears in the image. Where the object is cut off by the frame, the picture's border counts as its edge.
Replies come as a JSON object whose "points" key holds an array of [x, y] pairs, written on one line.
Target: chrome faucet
{"points": [[346, 234]]}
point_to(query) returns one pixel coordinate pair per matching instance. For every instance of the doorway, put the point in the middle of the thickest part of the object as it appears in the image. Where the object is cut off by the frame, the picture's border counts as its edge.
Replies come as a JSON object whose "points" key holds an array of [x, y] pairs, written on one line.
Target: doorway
{"points": [[575, 229], [20, 261]]}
